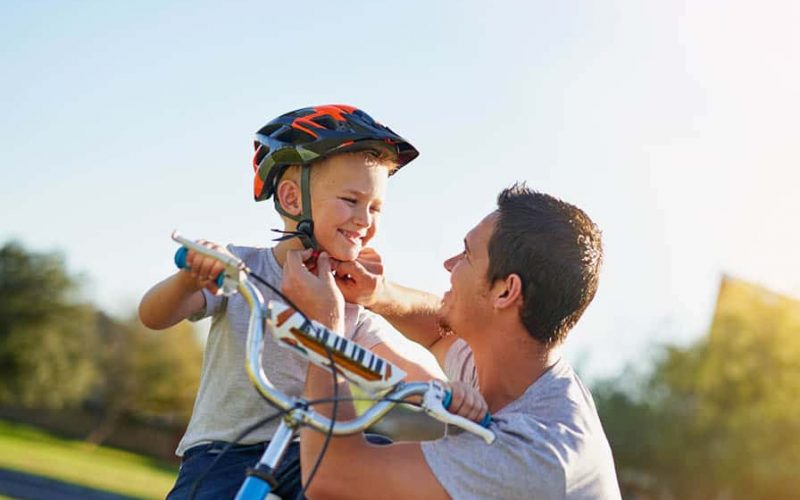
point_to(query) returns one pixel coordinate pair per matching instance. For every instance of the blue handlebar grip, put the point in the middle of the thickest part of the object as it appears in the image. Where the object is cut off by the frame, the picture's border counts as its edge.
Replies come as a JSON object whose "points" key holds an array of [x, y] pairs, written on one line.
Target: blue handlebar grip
{"points": [[180, 257], [180, 261], [448, 398]]}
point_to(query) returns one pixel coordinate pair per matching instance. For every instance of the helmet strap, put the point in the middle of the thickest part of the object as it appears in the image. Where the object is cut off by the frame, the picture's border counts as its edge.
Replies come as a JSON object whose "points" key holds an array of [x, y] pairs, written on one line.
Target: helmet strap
{"points": [[305, 225]]}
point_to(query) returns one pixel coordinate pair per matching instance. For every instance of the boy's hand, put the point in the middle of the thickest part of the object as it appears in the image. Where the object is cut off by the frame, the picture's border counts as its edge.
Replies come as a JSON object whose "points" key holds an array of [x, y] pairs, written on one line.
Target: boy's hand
{"points": [[361, 281], [467, 401], [203, 269], [315, 293]]}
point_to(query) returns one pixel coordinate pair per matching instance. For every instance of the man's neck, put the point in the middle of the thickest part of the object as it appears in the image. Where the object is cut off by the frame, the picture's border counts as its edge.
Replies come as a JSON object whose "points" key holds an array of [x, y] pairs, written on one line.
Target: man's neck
{"points": [[506, 369]]}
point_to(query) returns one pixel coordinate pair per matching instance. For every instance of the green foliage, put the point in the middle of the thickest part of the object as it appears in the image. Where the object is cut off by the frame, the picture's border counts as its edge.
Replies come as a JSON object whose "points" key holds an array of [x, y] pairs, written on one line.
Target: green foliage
{"points": [[56, 352], [45, 355], [719, 418], [148, 372]]}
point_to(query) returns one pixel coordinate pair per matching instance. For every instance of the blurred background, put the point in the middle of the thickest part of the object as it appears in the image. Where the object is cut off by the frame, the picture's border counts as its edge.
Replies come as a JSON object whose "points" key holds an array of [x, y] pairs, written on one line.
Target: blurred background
{"points": [[673, 124]]}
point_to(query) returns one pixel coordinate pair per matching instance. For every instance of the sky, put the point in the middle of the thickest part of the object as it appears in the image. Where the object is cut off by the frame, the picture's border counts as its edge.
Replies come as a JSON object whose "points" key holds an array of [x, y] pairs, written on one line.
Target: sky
{"points": [[673, 124]]}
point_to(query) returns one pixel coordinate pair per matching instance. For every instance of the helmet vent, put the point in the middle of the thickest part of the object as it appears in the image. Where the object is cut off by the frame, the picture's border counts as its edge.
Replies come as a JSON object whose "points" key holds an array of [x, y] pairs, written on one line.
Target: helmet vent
{"points": [[294, 136], [269, 129], [326, 121]]}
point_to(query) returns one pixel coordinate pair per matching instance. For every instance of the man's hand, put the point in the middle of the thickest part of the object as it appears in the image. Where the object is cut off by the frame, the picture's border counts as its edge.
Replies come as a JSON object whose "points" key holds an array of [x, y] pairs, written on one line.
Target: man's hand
{"points": [[361, 281], [467, 401], [314, 293]]}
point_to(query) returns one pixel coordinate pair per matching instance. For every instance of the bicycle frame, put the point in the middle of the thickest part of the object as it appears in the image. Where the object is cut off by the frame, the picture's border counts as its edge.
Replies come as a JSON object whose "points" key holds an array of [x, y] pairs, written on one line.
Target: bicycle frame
{"points": [[257, 484]]}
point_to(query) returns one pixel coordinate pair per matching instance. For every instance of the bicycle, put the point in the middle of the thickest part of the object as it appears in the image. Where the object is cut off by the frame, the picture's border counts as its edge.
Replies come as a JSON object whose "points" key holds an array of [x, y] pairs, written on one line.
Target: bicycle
{"points": [[380, 380]]}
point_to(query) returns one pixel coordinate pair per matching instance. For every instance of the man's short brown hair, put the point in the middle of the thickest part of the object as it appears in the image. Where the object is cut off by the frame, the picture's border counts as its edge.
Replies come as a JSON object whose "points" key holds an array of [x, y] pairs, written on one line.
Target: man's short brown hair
{"points": [[555, 249]]}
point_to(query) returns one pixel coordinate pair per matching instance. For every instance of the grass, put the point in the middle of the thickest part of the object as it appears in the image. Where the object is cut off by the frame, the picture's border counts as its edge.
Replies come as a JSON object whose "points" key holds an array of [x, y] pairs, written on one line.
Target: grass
{"points": [[27, 449]]}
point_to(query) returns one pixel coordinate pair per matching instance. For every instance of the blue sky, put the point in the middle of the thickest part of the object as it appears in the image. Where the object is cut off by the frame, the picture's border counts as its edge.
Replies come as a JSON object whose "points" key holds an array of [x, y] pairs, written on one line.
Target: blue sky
{"points": [[673, 124]]}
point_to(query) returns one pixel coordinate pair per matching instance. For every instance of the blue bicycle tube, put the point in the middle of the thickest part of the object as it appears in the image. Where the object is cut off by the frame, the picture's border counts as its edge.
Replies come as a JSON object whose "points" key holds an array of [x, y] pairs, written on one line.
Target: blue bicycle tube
{"points": [[253, 488], [448, 398], [180, 261]]}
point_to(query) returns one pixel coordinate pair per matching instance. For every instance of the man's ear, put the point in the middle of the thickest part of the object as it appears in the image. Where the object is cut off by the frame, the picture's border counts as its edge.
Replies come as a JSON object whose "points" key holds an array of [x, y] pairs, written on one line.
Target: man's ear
{"points": [[508, 291], [288, 194]]}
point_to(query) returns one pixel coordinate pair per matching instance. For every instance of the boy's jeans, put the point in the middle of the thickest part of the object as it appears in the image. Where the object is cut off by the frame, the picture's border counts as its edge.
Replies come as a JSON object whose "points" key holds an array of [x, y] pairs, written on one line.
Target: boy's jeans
{"points": [[224, 479]]}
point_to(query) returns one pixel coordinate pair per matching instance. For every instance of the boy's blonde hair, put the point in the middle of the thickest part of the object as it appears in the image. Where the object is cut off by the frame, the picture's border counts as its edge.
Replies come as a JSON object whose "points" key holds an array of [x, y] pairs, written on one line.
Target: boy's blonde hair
{"points": [[373, 156]]}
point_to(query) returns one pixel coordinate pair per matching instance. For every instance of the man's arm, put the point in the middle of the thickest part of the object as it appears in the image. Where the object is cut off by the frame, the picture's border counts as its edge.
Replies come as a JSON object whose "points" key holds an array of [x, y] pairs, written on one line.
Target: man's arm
{"points": [[412, 312], [415, 314], [352, 467]]}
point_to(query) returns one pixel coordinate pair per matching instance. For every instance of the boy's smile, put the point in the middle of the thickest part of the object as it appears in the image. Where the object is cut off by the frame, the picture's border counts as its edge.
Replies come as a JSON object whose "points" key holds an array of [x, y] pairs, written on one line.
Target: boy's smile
{"points": [[353, 236], [347, 194]]}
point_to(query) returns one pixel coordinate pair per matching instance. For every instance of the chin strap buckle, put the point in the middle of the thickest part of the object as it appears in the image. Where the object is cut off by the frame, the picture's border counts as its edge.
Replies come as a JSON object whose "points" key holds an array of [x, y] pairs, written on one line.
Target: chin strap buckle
{"points": [[304, 231]]}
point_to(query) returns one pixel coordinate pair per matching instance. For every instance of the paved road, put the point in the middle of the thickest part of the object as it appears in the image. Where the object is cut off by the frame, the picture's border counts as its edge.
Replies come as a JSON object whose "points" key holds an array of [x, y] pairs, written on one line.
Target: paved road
{"points": [[26, 486]]}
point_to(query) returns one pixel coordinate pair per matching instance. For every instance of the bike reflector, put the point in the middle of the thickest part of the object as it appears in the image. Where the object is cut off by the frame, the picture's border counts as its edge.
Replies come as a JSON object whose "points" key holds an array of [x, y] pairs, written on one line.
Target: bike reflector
{"points": [[311, 340]]}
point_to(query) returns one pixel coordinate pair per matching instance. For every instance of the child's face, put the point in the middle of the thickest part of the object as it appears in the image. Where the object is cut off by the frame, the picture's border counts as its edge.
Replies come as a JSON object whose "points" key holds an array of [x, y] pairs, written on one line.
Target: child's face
{"points": [[347, 194]]}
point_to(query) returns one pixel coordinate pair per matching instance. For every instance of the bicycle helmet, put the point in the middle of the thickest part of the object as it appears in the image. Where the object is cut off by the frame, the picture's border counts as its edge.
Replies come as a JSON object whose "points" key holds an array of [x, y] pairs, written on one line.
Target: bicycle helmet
{"points": [[303, 136]]}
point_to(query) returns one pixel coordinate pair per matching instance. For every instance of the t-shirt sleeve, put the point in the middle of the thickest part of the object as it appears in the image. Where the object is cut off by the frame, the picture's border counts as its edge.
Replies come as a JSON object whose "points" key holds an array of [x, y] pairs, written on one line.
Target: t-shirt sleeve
{"points": [[519, 464], [214, 304], [368, 331], [459, 364]]}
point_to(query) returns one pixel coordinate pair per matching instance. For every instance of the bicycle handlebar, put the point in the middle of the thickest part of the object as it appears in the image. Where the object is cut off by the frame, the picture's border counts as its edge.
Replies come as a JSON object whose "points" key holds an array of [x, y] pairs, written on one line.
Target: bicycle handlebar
{"points": [[435, 398]]}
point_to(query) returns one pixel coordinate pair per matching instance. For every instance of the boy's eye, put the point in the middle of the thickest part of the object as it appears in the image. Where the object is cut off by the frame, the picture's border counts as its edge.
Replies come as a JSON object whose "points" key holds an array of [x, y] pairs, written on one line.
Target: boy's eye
{"points": [[351, 201], [375, 209]]}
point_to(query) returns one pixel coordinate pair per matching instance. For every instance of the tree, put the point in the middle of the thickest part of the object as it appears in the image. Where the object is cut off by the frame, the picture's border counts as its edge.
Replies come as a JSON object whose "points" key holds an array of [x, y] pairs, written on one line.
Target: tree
{"points": [[45, 338], [56, 352], [718, 418], [146, 373]]}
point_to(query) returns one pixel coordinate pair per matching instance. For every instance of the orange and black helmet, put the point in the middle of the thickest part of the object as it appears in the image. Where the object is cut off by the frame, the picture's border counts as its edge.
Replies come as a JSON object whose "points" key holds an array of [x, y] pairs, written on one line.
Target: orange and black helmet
{"points": [[305, 135]]}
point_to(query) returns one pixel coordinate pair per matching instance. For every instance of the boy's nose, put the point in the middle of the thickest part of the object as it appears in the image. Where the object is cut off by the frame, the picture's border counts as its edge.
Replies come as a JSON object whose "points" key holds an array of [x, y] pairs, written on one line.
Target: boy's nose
{"points": [[363, 218]]}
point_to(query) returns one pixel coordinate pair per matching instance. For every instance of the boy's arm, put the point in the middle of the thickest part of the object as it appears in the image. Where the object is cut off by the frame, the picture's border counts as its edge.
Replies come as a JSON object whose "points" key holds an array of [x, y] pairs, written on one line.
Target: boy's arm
{"points": [[179, 296], [414, 371], [171, 301]]}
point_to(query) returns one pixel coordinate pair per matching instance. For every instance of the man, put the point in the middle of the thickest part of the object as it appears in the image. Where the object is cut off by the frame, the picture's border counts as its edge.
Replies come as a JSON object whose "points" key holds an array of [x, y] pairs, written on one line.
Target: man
{"points": [[527, 273]]}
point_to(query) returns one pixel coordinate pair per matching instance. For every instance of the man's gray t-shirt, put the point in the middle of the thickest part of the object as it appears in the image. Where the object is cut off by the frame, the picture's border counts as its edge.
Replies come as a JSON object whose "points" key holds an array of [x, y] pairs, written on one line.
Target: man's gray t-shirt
{"points": [[227, 403], [550, 443]]}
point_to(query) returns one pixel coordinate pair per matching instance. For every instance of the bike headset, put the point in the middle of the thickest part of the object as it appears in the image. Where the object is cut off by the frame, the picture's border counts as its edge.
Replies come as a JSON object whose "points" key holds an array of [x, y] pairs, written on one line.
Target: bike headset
{"points": [[305, 136]]}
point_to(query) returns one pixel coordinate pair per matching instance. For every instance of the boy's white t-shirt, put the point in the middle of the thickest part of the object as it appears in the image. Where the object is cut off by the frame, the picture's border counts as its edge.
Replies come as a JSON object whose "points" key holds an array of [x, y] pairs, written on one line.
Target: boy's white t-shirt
{"points": [[227, 403]]}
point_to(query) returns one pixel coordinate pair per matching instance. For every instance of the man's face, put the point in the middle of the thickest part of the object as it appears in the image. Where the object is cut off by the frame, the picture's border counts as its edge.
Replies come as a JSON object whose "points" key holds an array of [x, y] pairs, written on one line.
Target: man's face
{"points": [[346, 198], [466, 304]]}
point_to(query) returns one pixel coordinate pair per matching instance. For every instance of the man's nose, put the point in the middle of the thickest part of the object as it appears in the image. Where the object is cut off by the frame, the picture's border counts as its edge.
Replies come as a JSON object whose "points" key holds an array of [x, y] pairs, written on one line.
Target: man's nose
{"points": [[449, 263]]}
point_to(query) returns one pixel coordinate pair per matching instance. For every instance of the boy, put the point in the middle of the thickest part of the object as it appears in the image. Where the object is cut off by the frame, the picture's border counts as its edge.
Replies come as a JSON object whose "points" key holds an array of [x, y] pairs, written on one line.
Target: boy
{"points": [[329, 161]]}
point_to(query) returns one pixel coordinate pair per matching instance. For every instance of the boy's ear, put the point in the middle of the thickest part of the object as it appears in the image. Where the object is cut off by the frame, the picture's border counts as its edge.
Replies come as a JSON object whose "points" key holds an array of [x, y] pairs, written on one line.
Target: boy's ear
{"points": [[288, 194], [508, 291]]}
